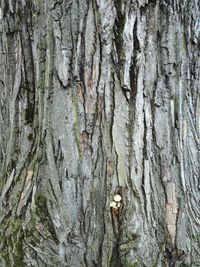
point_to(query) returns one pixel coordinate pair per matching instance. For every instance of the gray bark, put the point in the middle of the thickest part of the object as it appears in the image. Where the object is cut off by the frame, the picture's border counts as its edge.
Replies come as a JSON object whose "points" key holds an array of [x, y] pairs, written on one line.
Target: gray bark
{"points": [[99, 98]]}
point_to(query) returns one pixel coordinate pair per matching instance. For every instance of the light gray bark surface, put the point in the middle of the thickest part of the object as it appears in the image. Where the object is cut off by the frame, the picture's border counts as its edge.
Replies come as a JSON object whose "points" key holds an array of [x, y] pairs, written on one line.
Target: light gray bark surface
{"points": [[99, 98]]}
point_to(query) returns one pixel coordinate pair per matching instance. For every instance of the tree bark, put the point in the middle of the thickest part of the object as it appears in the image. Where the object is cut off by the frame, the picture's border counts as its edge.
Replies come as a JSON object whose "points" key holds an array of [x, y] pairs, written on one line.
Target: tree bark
{"points": [[99, 98]]}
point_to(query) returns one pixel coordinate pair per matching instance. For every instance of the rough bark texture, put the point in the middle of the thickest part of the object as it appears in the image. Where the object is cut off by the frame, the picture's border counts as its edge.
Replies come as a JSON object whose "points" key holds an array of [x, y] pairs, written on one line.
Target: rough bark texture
{"points": [[96, 98]]}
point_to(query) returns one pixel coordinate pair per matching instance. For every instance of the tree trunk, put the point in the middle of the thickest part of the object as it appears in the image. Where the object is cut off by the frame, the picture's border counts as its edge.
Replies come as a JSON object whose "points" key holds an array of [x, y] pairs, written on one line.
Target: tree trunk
{"points": [[99, 98]]}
